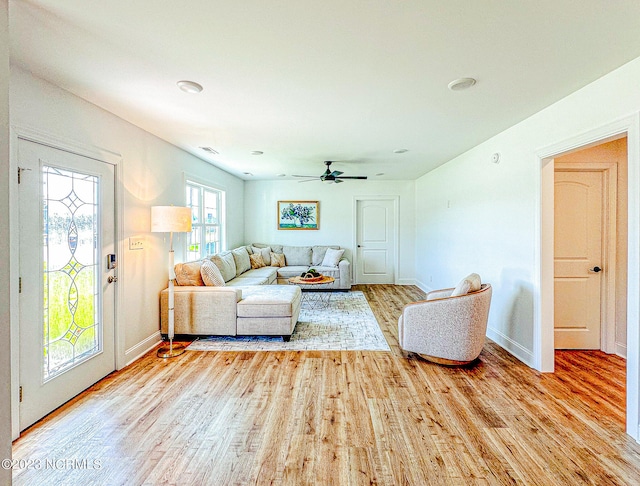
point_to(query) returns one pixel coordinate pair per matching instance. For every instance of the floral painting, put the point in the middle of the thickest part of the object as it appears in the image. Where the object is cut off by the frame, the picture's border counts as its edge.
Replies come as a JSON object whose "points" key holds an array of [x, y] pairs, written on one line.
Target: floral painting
{"points": [[298, 215]]}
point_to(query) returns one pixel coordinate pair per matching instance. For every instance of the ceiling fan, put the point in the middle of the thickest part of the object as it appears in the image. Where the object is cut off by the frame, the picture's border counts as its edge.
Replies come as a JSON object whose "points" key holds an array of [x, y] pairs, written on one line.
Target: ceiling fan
{"points": [[329, 176]]}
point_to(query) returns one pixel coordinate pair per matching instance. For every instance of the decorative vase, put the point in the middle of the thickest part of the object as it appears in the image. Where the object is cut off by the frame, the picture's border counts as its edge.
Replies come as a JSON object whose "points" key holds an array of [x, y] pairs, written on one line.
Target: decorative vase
{"points": [[298, 223]]}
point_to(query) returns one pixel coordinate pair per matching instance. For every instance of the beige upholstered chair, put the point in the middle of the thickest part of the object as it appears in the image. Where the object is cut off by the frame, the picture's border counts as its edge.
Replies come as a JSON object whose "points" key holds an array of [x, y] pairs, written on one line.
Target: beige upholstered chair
{"points": [[444, 329]]}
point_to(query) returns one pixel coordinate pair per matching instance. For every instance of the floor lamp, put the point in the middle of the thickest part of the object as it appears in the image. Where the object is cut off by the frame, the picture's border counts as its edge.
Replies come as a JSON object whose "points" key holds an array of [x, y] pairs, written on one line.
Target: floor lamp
{"points": [[170, 219]]}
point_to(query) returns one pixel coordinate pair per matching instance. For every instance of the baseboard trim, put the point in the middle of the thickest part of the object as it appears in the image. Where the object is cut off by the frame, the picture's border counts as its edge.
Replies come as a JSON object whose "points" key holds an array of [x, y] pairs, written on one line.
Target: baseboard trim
{"points": [[136, 352], [423, 286], [406, 281], [621, 350], [511, 346]]}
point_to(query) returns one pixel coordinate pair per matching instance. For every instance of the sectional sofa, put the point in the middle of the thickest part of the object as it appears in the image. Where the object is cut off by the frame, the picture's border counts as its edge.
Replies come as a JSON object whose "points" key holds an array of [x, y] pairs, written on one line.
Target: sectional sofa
{"points": [[248, 301]]}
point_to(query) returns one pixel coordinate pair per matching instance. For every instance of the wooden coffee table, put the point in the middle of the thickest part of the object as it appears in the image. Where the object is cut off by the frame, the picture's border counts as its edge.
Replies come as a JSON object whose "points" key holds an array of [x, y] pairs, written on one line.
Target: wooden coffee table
{"points": [[313, 297]]}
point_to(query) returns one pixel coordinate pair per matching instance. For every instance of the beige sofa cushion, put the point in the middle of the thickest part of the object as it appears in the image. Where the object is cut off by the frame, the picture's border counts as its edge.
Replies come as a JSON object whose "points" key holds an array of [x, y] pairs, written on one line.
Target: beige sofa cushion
{"points": [[297, 255], [269, 301], [211, 275], [188, 273], [242, 261], [226, 264]]}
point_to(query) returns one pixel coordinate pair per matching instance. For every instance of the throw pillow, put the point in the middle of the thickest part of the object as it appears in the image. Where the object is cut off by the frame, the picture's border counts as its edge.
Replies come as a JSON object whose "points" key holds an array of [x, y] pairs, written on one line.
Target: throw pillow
{"points": [[257, 261], [277, 259], [241, 258], [188, 273], [226, 264], [332, 257], [211, 275], [471, 283], [265, 252]]}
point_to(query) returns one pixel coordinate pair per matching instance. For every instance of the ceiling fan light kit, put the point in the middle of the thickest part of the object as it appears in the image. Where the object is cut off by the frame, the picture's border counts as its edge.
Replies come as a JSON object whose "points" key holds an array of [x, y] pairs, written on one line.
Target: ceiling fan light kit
{"points": [[330, 176]]}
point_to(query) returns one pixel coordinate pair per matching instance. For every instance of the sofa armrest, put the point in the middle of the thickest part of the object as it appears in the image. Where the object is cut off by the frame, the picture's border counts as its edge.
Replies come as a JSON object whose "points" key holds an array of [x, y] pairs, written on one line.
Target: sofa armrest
{"points": [[201, 310], [345, 273]]}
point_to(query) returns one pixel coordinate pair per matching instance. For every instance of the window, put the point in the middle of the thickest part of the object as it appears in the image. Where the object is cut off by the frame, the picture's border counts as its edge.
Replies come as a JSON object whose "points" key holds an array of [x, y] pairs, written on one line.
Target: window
{"points": [[207, 214]]}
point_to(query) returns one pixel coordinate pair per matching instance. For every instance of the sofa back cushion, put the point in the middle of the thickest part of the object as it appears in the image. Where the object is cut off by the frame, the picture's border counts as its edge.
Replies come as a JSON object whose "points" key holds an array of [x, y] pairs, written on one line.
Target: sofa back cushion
{"points": [[241, 258], [274, 248], [226, 264], [265, 252], [318, 253], [188, 273], [297, 255], [211, 275]]}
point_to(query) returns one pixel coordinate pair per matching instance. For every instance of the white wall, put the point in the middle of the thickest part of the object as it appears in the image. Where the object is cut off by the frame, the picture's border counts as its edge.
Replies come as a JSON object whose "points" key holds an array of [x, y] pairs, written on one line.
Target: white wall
{"points": [[5, 341], [153, 174], [336, 214], [474, 215]]}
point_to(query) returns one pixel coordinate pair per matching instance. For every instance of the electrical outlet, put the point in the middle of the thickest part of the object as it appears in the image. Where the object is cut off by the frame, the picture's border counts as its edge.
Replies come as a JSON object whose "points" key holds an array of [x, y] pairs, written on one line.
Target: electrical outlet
{"points": [[136, 243]]}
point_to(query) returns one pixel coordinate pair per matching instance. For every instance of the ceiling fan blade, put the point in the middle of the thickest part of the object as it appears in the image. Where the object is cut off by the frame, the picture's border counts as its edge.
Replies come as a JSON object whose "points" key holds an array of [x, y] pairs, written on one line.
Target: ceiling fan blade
{"points": [[309, 180], [338, 181], [353, 177], [293, 175], [336, 173]]}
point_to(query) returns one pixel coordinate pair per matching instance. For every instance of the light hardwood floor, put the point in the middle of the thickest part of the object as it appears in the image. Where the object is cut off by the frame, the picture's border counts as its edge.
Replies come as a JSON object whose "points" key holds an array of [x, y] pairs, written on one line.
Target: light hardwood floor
{"points": [[351, 417]]}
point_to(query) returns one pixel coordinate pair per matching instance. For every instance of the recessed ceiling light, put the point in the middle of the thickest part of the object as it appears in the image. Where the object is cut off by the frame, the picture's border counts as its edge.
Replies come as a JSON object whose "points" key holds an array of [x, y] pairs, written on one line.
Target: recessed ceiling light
{"points": [[461, 83], [400, 151], [247, 173], [380, 174], [189, 86], [257, 152], [281, 175]]}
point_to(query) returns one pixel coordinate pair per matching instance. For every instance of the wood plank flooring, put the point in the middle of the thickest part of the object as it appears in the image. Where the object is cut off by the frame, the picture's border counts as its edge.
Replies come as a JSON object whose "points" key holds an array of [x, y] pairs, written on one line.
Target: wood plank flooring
{"points": [[351, 417]]}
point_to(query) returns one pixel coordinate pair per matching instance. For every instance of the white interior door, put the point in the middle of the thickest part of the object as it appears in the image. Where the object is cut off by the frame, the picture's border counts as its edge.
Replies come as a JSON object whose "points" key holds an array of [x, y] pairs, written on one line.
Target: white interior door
{"points": [[375, 241], [66, 299], [578, 250]]}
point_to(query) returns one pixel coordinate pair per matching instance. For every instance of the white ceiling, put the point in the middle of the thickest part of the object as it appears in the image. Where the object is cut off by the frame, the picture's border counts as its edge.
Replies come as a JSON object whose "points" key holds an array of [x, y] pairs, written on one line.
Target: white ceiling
{"points": [[306, 81]]}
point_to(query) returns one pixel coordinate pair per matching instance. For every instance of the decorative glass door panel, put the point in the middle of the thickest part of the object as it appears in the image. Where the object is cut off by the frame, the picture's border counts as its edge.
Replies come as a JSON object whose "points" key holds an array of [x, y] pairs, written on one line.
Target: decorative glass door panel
{"points": [[71, 332], [67, 298]]}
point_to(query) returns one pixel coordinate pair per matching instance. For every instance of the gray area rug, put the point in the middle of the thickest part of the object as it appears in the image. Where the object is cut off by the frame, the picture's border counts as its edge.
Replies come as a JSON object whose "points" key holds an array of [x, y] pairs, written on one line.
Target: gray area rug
{"points": [[346, 324]]}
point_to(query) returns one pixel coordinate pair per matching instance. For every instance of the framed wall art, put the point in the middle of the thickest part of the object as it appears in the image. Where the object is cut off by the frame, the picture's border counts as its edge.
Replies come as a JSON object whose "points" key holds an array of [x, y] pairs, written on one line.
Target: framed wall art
{"points": [[298, 215]]}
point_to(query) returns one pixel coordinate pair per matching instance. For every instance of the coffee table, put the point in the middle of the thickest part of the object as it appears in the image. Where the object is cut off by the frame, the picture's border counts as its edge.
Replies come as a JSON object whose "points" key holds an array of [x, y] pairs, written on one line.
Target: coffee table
{"points": [[312, 297]]}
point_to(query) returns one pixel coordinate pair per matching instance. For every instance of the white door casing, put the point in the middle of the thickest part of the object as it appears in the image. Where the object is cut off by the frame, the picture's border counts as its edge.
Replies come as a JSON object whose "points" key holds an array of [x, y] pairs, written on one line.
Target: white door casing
{"points": [[376, 240], [90, 307]]}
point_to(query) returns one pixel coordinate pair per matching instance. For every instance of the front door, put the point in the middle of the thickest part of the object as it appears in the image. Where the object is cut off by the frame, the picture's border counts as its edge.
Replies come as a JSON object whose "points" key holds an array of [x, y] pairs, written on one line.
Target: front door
{"points": [[375, 241], [578, 256], [66, 294]]}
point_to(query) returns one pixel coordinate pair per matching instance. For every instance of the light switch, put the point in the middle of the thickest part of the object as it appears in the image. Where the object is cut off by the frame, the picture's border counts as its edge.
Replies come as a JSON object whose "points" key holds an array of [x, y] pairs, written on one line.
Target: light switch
{"points": [[136, 243]]}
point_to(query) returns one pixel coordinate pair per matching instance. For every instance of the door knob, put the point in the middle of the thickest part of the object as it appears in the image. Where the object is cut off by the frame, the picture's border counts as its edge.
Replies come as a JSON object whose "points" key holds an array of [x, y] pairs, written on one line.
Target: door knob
{"points": [[359, 246], [595, 269], [112, 278]]}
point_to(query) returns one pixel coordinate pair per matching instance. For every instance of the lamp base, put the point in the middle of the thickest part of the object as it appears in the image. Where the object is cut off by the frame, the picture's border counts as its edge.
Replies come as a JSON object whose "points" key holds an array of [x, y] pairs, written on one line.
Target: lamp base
{"points": [[171, 351]]}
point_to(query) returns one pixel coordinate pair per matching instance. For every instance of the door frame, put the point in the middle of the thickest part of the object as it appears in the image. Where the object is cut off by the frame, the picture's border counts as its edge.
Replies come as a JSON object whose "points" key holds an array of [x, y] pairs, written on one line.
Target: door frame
{"points": [[77, 148], [543, 349], [609, 237], [395, 236]]}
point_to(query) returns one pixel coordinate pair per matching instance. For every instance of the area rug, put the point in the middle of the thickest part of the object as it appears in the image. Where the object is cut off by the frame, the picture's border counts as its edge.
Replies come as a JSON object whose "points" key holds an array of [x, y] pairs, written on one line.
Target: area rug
{"points": [[346, 324]]}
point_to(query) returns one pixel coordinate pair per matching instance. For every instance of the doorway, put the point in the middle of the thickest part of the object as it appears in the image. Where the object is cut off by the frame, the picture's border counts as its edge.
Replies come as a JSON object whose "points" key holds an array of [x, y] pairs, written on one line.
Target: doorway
{"points": [[67, 281], [590, 248], [543, 345], [376, 237]]}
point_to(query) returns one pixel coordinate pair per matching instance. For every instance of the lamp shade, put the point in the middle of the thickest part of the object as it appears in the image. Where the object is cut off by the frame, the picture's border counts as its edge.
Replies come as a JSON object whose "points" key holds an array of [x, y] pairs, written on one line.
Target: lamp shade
{"points": [[167, 219]]}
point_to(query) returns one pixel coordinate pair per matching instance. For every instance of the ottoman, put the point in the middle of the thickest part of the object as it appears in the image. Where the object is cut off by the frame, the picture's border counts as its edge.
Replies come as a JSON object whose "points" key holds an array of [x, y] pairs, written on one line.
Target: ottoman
{"points": [[268, 310]]}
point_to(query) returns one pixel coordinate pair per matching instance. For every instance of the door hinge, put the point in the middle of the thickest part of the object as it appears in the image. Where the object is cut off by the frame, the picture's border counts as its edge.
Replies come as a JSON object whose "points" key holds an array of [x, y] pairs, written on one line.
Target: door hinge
{"points": [[20, 285], [20, 170], [20, 393]]}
